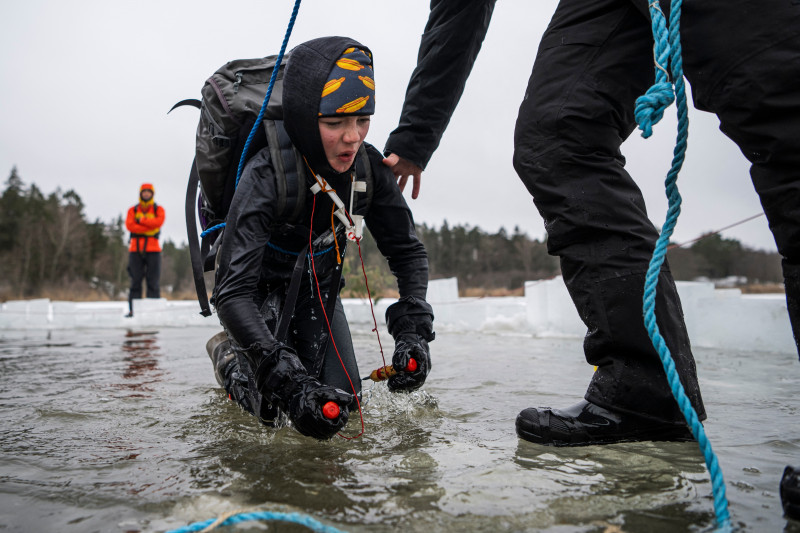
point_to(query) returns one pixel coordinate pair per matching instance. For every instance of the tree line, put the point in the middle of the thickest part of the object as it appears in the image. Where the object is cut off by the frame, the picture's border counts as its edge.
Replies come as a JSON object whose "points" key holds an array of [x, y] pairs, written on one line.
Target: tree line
{"points": [[48, 248]]}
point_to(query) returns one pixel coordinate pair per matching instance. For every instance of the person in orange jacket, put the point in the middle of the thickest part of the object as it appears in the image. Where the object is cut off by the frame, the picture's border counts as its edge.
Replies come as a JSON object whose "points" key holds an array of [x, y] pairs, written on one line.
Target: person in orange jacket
{"points": [[144, 221]]}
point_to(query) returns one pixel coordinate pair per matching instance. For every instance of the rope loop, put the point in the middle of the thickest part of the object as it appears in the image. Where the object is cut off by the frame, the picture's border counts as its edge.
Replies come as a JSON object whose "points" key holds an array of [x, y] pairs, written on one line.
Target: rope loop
{"points": [[651, 105]]}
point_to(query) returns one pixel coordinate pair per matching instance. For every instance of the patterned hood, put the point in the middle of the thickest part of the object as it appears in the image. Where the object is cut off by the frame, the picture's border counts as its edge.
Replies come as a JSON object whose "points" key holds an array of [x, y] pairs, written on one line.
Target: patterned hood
{"points": [[310, 68]]}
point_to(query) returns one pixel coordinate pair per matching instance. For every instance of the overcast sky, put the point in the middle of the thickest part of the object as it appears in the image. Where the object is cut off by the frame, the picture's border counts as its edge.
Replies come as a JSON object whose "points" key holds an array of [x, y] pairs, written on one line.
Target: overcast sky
{"points": [[86, 86]]}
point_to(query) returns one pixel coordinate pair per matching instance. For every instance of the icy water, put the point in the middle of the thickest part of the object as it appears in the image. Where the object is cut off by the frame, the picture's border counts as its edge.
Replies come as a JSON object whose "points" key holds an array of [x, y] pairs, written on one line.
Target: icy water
{"points": [[113, 430]]}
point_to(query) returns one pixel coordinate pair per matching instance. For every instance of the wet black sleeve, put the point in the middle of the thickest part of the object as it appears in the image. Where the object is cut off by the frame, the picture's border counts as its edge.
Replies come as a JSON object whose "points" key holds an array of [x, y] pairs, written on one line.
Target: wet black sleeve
{"points": [[390, 222], [451, 42], [247, 232]]}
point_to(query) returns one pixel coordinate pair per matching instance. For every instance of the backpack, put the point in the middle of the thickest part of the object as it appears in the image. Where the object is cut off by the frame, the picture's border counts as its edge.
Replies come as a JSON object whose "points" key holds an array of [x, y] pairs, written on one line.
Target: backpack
{"points": [[231, 101]]}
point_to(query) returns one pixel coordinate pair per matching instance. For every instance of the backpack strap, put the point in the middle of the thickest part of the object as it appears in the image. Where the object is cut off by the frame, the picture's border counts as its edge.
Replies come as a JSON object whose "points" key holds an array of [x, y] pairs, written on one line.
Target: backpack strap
{"points": [[275, 152], [365, 172], [294, 289], [287, 161], [195, 253], [194, 102], [291, 296], [302, 180]]}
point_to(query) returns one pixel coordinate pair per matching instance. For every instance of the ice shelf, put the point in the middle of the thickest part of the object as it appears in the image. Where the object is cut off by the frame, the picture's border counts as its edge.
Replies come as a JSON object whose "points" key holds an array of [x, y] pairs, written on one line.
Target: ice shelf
{"points": [[723, 318]]}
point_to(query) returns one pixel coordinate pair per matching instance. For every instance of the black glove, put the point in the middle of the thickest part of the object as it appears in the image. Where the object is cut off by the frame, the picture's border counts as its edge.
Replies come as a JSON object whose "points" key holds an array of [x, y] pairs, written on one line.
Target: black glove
{"points": [[282, 379], [410, 346], [305, 409], [410, 321]]}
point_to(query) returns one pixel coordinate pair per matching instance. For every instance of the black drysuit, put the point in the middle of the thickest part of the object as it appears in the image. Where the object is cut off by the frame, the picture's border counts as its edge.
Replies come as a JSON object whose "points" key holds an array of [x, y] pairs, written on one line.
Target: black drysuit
{"points": [[742, 58], [260, 245]]}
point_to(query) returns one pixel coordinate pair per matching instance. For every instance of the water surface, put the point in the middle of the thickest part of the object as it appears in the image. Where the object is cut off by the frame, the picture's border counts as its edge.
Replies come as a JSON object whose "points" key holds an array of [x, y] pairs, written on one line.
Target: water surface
{"points": [[114, 430]]}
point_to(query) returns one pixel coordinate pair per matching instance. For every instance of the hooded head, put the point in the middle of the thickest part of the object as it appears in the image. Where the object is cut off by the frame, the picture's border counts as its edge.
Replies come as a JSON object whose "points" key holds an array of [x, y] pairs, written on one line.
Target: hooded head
{"points": [[146, 187], [325, 77]]}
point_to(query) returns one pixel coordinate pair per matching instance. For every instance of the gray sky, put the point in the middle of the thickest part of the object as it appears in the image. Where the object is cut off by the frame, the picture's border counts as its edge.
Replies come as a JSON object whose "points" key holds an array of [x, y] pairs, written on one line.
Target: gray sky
{"points": [[86, 86]]}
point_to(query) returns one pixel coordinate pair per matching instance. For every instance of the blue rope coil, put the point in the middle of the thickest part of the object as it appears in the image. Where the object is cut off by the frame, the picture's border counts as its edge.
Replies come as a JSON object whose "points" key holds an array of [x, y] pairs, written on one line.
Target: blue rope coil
{"points": [[295, 518], [649, 110], [260, 117]]}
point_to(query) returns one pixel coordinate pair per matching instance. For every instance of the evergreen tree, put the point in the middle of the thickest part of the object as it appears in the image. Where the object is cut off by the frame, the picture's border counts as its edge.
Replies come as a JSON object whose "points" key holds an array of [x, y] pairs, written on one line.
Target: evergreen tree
{"points": [[11, 210], [717, 255]]}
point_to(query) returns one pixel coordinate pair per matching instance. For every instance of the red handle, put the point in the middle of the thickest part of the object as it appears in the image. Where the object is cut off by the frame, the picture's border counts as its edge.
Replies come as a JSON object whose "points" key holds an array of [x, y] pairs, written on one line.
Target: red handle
{"points": [[331, 410], [388, 371]]}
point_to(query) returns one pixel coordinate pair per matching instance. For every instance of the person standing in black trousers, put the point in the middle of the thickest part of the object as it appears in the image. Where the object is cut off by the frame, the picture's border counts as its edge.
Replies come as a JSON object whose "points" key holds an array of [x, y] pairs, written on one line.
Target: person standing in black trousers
{"points": [[742, 58]]}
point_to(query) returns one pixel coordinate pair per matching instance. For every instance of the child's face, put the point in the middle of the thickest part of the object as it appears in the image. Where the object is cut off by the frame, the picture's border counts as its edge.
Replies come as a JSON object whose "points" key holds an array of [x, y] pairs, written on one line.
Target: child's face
{"points": [[341, 138]]}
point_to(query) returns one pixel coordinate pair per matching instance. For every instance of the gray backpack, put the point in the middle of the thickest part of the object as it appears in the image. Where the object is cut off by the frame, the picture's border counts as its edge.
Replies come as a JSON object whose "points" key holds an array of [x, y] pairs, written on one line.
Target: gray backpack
{"points": [[231, 101]]}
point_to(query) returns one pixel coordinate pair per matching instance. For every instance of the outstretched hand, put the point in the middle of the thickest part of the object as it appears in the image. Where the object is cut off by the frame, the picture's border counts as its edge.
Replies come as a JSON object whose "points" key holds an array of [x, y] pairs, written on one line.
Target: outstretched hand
{"points": [[402, 170]]}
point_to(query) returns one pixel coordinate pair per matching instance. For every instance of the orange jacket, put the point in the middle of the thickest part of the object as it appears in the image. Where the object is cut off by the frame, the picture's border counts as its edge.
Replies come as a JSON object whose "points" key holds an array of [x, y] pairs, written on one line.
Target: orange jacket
{"points": [[144, 222]]}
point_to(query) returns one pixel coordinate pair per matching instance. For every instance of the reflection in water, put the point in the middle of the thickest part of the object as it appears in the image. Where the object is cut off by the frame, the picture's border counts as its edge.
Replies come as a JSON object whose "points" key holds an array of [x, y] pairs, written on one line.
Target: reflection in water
{"points": [[141, 372], [623, 482]]}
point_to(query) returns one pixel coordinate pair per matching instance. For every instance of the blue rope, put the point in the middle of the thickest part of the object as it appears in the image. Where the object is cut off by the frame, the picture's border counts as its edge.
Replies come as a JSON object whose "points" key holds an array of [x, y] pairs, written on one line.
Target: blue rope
{"points": [[649, 110], [295, 518], [269, 92], [260, 117], [211, 230]]}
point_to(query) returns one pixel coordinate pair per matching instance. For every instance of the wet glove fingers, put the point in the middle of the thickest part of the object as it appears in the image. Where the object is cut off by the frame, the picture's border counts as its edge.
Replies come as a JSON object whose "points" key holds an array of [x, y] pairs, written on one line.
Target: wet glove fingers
{"points": [[410, 347], [306, 409]]}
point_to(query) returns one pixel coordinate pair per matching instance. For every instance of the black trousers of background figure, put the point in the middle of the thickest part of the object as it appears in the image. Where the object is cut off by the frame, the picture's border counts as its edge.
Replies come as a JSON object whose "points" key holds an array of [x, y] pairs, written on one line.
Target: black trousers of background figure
{"points": [[594, 60], [145, 266]]}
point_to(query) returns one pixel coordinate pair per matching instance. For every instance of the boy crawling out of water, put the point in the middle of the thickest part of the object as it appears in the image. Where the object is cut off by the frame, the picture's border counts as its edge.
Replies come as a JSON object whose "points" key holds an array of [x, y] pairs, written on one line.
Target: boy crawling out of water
{"points": [[276, 354]]}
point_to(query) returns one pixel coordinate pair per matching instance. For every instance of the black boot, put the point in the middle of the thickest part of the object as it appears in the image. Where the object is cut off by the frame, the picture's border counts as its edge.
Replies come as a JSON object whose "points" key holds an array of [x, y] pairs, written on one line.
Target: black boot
{"points": [[629, 397], [221, 354], [790, 492], [586, 423], [234, 375]]}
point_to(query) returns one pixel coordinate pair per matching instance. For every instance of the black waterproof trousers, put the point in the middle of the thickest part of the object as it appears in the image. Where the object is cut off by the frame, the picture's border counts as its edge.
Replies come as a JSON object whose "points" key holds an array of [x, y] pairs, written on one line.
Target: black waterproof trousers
{"points": [[337, 366], [594, 60], [141, 266]]}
